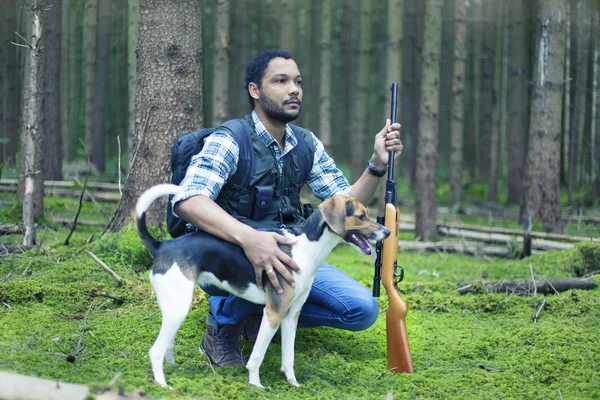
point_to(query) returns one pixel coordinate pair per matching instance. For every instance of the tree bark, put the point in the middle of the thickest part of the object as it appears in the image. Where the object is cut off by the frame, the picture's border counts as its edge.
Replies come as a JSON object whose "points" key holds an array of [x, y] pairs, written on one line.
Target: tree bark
{"points": [[288, 26], [221, 63], [428, 122], [325, 73], [33, 158], [91, 43], [517, 135], [360, 111], [542, 181], [458, 110], [133, 22], [99, 122], [168, 98], [52, 95]]}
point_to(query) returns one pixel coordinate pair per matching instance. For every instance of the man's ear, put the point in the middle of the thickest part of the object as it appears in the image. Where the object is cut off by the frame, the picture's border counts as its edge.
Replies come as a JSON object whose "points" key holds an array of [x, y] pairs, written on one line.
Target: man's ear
{"points": [[334, 214], [254, 90]]}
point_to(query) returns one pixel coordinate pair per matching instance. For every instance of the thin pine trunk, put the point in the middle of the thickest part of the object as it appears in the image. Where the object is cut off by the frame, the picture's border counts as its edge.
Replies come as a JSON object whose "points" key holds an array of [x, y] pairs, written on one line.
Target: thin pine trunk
{"points": [[101, 85], [91, 42], [133, 22], [495, 134], [564, 144], [52, 94], [325, 73], [288, 26], [476, 60], [359, 114], [426, 151], [594, 104], [458, 110], [221, 63], [9, 88], [33, 158], [517, 128]]}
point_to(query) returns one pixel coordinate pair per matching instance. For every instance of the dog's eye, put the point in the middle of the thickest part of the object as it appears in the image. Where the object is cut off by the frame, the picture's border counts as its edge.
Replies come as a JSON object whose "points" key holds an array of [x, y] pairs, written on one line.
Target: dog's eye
{"points": [[362, 217]]}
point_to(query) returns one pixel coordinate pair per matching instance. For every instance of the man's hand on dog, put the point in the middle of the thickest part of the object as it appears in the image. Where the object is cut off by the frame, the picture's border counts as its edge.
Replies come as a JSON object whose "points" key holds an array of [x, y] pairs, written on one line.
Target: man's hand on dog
{"points": [[265, 255]]}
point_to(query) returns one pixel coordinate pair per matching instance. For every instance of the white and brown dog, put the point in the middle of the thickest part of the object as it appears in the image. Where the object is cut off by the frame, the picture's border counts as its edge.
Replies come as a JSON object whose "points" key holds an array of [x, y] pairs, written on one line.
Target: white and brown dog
{"points": [[203, 259]]}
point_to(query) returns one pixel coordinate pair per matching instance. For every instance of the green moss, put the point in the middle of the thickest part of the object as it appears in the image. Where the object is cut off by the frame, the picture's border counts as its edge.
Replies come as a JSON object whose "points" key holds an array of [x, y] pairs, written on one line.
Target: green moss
{"points": [[451, 335]]}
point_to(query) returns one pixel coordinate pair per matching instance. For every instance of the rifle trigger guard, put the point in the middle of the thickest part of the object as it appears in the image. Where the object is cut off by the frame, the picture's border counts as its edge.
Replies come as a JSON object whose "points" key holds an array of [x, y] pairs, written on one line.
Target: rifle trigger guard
{"points": [[399, 275]]}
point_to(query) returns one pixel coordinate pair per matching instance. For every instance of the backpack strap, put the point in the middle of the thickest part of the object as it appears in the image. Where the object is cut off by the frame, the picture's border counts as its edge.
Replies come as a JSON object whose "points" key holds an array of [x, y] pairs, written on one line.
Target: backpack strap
{"points": [[238, 184]]}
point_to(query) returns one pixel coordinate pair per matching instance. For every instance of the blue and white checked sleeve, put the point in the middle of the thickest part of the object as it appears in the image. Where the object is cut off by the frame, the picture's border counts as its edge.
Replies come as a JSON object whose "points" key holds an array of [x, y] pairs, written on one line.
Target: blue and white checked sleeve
{"points": [[211, 168], [325, 179]]}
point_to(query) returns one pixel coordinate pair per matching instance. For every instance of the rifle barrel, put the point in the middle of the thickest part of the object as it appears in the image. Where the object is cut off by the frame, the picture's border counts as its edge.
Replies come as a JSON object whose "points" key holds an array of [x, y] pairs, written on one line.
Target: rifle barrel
{"points": [[393, 119]]}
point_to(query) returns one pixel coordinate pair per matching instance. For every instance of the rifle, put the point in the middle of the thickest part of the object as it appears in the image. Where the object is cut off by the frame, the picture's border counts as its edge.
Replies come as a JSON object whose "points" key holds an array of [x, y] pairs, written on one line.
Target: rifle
{"points": [[386, 267]]}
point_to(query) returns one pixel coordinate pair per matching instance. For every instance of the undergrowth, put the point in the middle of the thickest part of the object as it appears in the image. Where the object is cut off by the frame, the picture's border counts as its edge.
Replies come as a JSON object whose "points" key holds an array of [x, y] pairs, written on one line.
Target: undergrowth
{"points": [[475, 346]]}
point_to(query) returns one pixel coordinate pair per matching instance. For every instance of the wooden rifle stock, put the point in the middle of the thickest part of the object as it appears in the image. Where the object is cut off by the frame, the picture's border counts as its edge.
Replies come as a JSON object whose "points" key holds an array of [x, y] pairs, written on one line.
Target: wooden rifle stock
{"points": [[398, 349]]}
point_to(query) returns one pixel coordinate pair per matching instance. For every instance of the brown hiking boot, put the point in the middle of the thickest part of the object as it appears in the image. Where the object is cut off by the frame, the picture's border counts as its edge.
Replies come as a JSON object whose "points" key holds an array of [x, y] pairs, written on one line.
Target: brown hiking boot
{"points": [[251, 327], [221, 344]]}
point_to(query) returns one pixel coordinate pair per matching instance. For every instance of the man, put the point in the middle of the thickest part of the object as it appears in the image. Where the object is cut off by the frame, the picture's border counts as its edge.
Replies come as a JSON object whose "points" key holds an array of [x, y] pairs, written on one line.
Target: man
{"points": [[274, 86]]}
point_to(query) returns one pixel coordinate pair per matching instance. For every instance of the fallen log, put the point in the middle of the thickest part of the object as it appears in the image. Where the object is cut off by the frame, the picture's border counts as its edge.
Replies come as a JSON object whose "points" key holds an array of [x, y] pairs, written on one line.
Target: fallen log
{"points": [[540, 244], [527, 287], [519, 232], [459, 247], [10, 229], [69, 221], [104, 196], [17, 248], [68, 184]]}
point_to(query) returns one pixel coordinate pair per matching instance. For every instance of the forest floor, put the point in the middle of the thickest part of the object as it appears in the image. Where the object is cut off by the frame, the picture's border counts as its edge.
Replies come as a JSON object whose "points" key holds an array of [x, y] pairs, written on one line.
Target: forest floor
{"points": [[57, 325]]}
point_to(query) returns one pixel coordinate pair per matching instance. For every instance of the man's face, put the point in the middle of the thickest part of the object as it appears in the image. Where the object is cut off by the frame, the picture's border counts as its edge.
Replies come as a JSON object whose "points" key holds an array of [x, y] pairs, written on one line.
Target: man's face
{"points": [[280, 96]]}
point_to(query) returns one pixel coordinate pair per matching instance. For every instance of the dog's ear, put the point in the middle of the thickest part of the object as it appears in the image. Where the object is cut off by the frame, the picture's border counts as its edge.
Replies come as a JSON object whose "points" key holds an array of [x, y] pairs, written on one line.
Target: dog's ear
{"points": [[334, 213]]}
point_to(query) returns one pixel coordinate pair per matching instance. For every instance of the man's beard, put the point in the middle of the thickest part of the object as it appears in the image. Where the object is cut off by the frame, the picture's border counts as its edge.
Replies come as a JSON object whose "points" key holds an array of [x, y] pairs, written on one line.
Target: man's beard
{"points": [[276, 112]]}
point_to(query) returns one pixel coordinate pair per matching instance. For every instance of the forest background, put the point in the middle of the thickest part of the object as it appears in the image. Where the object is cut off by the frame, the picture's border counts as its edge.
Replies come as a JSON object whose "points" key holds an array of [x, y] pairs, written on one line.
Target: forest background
{"points": [[499, 114]]}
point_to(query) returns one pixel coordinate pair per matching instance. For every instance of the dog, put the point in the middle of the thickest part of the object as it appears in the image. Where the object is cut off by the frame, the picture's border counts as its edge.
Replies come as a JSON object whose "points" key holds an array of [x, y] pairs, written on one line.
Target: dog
{"points": [[203, 259]]}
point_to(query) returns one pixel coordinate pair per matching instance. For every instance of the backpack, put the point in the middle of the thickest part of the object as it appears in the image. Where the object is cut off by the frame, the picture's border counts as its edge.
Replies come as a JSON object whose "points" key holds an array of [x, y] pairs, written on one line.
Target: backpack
{"points": [[191, 143]]}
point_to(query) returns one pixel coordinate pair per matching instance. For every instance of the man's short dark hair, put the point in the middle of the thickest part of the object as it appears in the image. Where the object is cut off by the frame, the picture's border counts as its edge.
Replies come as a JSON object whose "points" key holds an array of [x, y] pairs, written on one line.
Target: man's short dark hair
{"points": [[255, 70]]}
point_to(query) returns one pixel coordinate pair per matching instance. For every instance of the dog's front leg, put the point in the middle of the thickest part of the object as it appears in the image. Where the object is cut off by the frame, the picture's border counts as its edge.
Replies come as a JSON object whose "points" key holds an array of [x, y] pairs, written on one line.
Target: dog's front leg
{"points": [[289, 324]]}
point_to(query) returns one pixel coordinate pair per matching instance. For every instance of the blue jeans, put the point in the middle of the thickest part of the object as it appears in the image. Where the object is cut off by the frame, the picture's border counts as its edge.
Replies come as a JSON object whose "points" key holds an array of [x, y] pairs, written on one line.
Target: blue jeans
{"points": [[335, 300]]}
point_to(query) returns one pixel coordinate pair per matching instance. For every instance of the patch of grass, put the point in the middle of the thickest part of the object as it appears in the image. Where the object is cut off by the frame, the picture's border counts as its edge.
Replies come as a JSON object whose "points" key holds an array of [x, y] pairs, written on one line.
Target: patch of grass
{"points": [[471, 346]]}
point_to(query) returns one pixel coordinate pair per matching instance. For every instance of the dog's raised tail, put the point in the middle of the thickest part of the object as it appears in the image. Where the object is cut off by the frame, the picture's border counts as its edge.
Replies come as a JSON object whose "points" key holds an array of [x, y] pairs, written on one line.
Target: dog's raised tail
{"points": [[143, 203]]}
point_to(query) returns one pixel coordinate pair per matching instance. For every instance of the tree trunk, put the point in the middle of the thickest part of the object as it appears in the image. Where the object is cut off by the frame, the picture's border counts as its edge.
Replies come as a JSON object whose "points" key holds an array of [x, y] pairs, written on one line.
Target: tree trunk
{"points": [[168, 98], [325, 73], [517, 134], [496, 133], [542, 181], [133, 23], [99, 128], [359, 114], [564, 143], [52, 99], [33, 159], [91, 42], [9, 87], [221, 63], [474, 149], [239, 98], [76, 99], [595, 151], [395, 30], [428, 122], [581, 82], [288, 26], [488, 95], [458, 111]]}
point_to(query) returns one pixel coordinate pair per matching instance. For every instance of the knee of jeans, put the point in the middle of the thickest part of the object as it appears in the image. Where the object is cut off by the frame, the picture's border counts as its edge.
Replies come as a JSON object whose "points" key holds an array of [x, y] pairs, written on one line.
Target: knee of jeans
{"points": [[363, 316]]}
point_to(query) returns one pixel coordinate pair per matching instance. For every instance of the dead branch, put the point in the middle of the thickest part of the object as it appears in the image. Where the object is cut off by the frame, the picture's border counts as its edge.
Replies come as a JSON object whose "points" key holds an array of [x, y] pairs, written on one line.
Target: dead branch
{"points": [[110, 296], [459, 247], [78, 208], [11, 229], [15, 248], [539, 310], [527, 287], [105, 267]]}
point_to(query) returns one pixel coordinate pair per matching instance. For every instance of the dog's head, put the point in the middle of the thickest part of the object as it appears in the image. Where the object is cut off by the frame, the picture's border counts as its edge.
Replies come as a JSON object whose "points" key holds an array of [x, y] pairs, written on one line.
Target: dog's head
{"points": [[348, 219]]}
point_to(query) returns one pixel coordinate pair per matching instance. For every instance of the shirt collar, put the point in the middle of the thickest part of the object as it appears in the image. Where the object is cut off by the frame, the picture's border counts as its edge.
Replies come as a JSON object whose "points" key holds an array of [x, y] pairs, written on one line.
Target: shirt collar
{"points": [[268, 139]]}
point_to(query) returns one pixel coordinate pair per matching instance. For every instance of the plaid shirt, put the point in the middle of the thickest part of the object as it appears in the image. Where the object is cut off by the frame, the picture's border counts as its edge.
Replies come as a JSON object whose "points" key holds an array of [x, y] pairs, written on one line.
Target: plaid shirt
{"points": [[217, 162]]}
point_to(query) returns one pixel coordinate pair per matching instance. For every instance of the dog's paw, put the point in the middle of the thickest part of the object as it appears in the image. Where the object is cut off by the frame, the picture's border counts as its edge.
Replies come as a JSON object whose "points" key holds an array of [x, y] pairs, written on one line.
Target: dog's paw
{"points": [[257, 384], [293, 382]]}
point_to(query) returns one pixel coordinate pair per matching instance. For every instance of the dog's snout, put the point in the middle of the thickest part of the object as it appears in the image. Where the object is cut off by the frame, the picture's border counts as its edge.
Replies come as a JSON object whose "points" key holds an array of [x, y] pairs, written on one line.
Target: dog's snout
{"points": [[385, 232]]}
